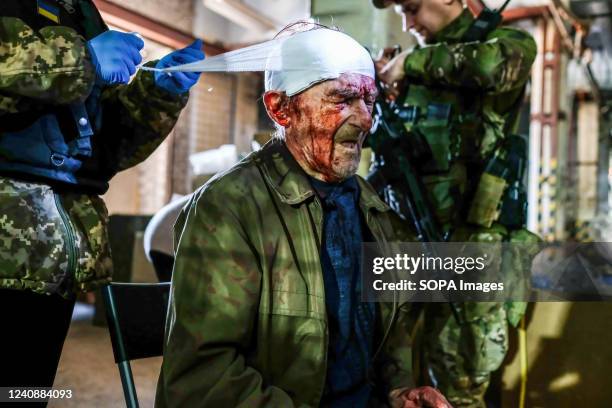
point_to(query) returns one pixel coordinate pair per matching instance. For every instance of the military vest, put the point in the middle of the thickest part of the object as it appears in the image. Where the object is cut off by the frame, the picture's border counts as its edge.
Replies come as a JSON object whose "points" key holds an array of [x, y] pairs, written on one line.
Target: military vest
{"points": [[49, 143]]}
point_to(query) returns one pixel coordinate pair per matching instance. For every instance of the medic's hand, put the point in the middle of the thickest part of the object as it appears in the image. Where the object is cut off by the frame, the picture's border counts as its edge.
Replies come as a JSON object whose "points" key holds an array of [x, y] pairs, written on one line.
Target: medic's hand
{"points": [[389, 67], [179, 82], [384, 56], [393, 71], [115, 56], [422, 397]]}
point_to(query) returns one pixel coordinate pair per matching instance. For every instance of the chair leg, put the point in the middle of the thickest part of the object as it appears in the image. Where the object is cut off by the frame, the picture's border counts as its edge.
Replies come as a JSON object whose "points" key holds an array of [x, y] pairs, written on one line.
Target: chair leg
{"points": [[127, 381]]}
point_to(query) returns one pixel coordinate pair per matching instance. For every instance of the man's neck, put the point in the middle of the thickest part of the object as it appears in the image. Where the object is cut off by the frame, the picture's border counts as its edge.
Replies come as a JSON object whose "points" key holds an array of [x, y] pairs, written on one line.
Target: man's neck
{"points": [[298, 154], [456, 27]]}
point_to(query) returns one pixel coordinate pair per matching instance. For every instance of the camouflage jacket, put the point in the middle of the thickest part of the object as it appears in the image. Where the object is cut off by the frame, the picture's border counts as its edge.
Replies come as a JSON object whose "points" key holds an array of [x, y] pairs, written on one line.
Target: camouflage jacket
{"points": [[464, 98], [467, 95], [247, 322], [54, 240]]}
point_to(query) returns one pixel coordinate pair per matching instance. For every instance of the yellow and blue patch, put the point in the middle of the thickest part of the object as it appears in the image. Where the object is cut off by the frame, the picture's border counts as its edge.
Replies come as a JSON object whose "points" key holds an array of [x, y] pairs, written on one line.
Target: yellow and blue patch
{"points": [[49, 11]]}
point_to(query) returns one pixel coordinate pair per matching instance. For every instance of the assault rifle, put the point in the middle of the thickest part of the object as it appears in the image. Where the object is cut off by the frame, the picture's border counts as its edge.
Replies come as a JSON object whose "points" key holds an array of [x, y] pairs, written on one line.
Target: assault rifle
{"points": [[394, 176]]}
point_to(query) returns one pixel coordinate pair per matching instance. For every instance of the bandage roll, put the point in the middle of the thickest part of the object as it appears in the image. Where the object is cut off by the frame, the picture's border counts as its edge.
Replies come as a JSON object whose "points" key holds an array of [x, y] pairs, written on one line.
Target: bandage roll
{"points": [[293, 63]]}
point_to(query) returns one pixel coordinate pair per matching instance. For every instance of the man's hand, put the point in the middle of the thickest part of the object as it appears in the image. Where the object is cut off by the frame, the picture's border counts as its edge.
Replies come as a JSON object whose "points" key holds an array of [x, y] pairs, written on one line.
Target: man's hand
{"points": [[422, 397], [179, 82]]}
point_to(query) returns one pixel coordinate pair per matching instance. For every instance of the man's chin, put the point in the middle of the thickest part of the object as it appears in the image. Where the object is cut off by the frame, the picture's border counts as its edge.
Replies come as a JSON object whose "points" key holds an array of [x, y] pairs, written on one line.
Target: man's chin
{"points": [[347, 151], [346, 169]]}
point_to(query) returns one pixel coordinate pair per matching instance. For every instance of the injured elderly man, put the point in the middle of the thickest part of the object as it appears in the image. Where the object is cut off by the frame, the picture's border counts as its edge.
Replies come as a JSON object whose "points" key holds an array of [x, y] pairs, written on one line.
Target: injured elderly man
{"points": [[265, 307]]}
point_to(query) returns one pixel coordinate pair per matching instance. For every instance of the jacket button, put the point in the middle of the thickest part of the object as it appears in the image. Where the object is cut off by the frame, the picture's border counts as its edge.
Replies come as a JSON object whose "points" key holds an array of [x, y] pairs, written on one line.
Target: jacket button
{"points": [[83, 122]]}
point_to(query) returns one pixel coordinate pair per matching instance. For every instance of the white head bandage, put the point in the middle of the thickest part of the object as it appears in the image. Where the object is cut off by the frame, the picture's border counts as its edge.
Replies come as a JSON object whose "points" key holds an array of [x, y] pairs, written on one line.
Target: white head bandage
{"points": [[307, 58], [293, 63]]}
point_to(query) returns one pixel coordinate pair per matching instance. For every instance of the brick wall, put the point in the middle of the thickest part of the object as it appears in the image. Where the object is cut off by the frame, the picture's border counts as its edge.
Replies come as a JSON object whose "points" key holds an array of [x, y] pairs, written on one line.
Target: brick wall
{"points": [[211, 117], [222, 109], [248, 94]]}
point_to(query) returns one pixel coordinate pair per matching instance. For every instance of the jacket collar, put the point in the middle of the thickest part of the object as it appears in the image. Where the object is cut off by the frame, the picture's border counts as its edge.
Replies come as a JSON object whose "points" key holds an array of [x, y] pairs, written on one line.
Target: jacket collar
{"points": [[285, 176], [454, 32]]}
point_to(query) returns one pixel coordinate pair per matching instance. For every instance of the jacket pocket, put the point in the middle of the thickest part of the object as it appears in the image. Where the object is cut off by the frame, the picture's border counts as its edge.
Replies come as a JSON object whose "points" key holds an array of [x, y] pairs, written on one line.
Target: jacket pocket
{"points": [[32, 242], [291, 343], [290, 303], [89, 217]]}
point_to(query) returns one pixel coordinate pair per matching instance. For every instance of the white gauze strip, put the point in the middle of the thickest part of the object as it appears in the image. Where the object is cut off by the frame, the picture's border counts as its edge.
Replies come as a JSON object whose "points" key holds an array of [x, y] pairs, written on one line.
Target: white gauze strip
{"points": [[293, 63]]}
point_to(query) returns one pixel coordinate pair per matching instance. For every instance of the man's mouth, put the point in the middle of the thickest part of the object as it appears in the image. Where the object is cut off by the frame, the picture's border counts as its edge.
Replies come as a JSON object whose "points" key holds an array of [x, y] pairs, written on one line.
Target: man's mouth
{"points": [[349, 139]]}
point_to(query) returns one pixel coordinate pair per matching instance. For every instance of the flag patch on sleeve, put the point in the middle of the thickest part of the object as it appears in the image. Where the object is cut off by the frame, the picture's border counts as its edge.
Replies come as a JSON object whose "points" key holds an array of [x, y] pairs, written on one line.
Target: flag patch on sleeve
{"points": [[49, 11]]}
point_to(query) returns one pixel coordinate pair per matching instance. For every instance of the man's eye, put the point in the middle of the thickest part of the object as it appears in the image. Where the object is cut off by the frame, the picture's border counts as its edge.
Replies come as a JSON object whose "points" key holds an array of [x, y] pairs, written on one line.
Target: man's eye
{"points": [[410, 8]]}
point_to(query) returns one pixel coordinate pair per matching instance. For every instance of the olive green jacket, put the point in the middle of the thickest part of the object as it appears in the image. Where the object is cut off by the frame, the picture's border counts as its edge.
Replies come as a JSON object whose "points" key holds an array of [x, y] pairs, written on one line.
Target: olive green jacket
{"points": [[247, 323]]}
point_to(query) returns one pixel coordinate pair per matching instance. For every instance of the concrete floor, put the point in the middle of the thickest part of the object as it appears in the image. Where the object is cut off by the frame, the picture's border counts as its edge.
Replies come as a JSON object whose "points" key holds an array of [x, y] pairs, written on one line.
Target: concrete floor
{"points": [[569, 352], [569, 348], [87, 367]]}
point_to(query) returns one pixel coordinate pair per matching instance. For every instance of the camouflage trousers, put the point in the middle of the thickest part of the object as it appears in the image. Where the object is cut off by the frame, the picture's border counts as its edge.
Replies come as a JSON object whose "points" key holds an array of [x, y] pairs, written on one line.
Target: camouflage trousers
{"points": [[460, 357], [461, 347]]}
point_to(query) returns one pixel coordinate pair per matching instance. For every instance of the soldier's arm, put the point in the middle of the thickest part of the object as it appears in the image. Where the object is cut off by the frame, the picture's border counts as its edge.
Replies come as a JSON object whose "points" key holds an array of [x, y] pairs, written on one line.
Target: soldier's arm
{"points": [[137, 118], [213, 312], [51, 66], [500, 64]]}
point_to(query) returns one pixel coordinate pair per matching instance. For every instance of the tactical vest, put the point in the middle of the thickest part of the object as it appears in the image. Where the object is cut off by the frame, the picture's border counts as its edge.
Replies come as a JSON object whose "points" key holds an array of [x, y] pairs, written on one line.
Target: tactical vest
{"points": [[451, 124], [50, 143], [462, 131]]}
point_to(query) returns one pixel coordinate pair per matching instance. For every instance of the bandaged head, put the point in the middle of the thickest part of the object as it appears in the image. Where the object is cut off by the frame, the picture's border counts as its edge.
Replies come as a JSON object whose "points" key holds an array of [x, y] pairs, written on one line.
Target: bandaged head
{"points": [[320, 92], [310, 57]]}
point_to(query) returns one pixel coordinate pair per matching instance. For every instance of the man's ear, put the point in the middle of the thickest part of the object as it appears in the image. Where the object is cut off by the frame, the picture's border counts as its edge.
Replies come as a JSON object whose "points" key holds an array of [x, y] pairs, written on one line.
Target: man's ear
{"points": [[277, 106]]}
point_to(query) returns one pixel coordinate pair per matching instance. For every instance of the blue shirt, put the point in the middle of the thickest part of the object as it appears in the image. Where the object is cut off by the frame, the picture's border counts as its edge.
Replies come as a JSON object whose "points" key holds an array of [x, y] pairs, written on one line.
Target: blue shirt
{"points": [[351, 322]]}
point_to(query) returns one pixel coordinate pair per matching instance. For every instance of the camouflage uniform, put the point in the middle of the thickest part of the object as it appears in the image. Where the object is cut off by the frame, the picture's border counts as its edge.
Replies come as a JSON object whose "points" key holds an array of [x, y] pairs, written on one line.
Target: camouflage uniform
{"points": [[53, 236], [464, 98]]}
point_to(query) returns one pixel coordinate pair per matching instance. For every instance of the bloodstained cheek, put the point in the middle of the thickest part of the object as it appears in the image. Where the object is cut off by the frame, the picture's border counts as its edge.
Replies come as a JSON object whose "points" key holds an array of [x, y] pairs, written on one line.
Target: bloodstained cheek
{"points": [[320, 121], [324, 126]]}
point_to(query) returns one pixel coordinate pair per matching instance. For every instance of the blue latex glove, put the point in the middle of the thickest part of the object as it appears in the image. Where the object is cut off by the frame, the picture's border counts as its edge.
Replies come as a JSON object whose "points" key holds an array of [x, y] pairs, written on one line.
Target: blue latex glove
{"points": [[115, 56], [179, 82]]}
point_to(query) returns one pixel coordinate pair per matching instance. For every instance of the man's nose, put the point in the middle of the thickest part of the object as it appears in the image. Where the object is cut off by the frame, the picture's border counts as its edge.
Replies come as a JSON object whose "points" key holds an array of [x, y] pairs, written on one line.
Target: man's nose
{"points": [[362, 115]]}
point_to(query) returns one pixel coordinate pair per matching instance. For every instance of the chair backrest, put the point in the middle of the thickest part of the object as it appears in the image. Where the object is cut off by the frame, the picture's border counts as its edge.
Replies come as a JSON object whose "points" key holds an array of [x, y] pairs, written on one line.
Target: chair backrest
{"points": [[122, 233], [136, 314]]}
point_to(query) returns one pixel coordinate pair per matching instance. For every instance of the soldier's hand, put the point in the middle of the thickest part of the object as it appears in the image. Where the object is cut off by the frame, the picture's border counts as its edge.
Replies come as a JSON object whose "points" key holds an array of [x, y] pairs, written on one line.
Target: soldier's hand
{"points": [[393, 71], [115, 56], [179, 82], [384, 56]]}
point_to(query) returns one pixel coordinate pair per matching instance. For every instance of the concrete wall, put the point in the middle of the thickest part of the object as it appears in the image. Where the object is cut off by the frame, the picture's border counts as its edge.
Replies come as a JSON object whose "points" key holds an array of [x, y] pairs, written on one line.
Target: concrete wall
{"points": [[373, 28]]}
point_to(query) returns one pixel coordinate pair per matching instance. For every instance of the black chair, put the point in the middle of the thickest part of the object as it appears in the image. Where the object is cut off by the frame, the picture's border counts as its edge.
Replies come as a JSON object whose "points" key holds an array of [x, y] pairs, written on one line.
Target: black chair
{"points": [[136, 315]]}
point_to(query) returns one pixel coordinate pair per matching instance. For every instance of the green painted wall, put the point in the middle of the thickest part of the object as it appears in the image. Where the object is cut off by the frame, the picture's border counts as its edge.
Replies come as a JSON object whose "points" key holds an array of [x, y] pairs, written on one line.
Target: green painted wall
{"points": [[373, 28]]}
